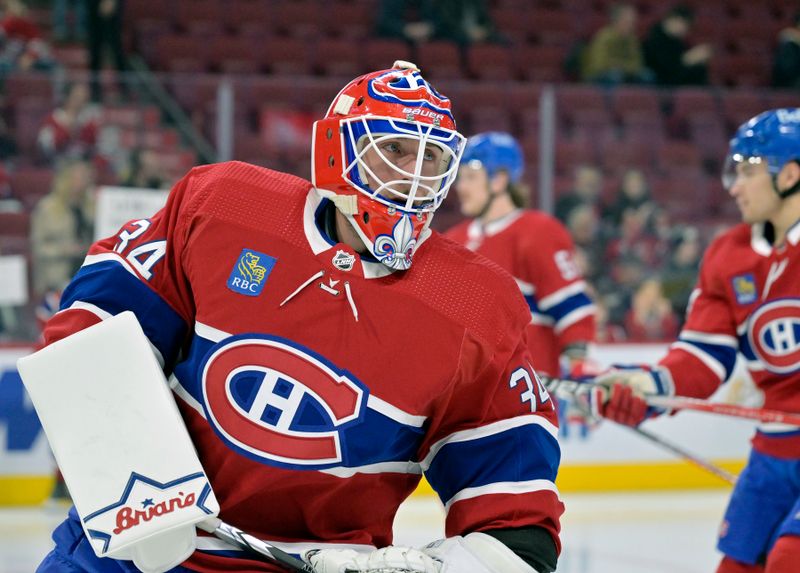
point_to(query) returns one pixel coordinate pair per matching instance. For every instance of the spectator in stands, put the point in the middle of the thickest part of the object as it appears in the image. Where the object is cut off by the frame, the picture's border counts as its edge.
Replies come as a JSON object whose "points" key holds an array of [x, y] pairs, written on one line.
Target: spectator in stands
{"points": [[22, 47], [104, 19], [583, 225], [8, 145], [786, 65], [69, 20], [61, 226], [410, 20], [605, 330], [587, 186], [614, 54], [679, 273], [464, 22], [634, 193], [651, 318], [668, 54], [9, 203], [16, 23], [71, 130], [146, 170]]}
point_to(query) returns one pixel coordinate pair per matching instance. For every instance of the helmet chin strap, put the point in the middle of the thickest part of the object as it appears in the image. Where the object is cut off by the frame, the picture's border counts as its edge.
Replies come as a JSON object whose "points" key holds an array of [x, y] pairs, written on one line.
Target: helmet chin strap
{"points": [[786, 192], [488, 204]]}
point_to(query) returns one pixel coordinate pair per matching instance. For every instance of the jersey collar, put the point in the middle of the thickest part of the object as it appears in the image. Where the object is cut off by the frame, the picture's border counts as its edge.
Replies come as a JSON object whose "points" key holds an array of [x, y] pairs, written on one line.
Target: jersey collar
{"points": [[476, 229], [319, 241]]}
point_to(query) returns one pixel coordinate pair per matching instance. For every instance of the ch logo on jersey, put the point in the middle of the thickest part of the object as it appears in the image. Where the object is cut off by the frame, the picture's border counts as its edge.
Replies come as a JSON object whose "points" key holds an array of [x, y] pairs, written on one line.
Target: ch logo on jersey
{"points": [[250, 272], [278, 403], [774, 334]]}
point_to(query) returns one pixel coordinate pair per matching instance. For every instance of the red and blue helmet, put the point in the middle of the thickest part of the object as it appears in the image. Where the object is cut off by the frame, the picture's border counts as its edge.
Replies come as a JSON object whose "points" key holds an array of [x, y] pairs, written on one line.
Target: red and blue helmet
{"points": [[772, 137], [389, 204]]}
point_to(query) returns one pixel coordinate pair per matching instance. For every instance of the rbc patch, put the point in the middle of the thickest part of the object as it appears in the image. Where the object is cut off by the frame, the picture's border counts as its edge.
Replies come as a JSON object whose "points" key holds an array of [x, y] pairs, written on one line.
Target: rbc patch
{"points": [[744, 287], [250, 272]]}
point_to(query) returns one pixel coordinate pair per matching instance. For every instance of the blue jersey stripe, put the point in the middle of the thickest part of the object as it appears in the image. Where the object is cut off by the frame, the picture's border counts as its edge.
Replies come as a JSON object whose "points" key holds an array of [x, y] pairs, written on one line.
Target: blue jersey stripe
{"points": [[495, 458], [725, 355], [569, 304], [110, 287]]}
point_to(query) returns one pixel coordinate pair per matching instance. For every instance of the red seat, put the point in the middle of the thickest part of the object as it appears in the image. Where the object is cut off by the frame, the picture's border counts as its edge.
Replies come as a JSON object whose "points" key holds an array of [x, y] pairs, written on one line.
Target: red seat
{"points": [[352, 20], [23, 86], [31, 184], [251, 17], [15, 224], [235, 54], [287, 56], [490, 62], [440, 59], [338, 57], [182, 53], [381, 53], [628, 100], [679, 155], [540, 63], [748, 70], [493, 118], [551, 26], [190, 12], [739, 106], [299, 18]]}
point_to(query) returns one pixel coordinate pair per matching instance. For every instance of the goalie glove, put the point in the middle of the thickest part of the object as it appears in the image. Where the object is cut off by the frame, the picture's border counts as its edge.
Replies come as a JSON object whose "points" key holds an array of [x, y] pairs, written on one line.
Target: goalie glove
{"points": [[474, 553], [621, 391]]}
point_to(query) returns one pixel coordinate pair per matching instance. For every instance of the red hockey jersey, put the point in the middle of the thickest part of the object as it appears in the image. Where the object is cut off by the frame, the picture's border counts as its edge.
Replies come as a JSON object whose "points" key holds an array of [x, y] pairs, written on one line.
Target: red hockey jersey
{"points": [[747, 301], [537, 251], [318, 386]]}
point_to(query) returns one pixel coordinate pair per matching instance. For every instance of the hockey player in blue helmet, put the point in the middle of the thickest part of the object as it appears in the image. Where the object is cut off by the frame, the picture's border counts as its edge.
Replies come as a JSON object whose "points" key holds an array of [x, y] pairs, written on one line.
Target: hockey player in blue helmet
{"points": [[535, 248], [747, 302], [499, 157]]}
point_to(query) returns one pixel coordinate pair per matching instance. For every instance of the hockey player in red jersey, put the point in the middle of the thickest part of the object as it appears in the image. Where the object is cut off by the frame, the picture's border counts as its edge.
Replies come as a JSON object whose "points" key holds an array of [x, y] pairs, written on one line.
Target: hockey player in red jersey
{"points": [[327, 349], [747, 302], [532, 246]]}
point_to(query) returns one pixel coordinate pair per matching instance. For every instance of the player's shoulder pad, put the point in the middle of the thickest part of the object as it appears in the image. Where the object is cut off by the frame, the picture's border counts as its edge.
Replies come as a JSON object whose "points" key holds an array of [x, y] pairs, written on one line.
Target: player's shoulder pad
{"points": [[730, 241], [470, 289], [543, 224], [237, 181]]}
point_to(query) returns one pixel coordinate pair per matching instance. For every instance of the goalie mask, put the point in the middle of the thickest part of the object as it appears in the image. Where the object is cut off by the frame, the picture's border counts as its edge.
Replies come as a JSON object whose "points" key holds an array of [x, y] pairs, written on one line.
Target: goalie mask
{"points": [[771, 138], [386, 154]]}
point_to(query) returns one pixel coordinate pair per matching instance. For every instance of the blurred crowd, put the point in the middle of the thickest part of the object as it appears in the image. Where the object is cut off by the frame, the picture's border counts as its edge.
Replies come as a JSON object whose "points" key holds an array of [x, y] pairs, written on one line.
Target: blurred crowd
{"points": [[642, 265]]}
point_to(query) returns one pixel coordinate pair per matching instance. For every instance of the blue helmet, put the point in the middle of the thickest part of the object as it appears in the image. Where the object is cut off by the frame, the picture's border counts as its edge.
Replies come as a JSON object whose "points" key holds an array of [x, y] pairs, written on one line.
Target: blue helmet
{"points": [[495, 151], [772, 136]]}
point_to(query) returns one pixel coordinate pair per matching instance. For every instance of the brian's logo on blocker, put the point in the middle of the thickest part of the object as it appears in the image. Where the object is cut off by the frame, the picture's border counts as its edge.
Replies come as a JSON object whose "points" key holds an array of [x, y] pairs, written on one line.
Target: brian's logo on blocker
{"points": [[250, 272]]}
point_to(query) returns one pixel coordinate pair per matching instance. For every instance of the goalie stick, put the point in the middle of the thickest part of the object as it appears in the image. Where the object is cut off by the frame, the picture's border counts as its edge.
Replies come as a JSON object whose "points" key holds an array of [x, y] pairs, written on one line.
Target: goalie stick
{"points": [[572, 388], [265, 551]]}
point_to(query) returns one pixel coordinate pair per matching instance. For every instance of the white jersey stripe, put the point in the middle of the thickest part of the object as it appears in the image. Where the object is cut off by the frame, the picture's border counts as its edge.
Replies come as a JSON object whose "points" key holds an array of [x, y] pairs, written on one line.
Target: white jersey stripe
{"points": [[115, 257], [706, 338], [563, 294], [513, 488], [710, 362], [210, 333], [395, 413], [380, 468], [574, 316]]}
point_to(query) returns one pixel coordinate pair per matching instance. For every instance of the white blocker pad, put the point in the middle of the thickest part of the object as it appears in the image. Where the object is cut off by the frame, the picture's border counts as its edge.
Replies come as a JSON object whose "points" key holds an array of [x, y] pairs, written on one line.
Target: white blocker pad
{"points": [[121, 444]]}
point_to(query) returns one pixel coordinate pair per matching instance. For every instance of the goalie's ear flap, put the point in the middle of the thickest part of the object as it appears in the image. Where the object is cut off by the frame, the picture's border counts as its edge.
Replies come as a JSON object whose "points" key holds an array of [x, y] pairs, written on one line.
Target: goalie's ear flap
{"points": [[120, 442]]}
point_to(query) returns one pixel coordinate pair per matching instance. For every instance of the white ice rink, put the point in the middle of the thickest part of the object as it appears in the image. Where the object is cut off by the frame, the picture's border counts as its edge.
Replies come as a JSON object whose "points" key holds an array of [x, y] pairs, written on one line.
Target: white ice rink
{"points": [[610, 533]]}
